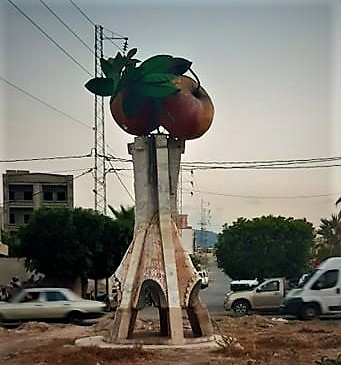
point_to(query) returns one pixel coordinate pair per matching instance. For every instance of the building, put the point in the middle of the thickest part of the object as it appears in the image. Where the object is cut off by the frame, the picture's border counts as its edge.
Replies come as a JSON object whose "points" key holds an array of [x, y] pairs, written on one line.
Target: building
{"points": [[24, 192], [3, 247], [186, 232]]}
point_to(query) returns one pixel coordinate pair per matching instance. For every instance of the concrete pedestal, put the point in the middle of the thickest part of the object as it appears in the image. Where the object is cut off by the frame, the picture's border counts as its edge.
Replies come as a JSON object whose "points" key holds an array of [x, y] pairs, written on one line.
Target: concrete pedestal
{"points": [[156, 261]]}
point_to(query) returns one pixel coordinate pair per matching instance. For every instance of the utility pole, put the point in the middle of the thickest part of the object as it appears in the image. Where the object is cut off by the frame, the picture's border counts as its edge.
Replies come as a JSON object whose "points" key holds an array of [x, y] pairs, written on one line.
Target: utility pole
{"points": [[100, 186], [205, 220], [100, 172]]}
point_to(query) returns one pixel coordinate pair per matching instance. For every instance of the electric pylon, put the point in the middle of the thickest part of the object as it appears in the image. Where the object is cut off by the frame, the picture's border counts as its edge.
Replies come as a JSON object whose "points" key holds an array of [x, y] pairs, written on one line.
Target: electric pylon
{"points": [[100, 186]]}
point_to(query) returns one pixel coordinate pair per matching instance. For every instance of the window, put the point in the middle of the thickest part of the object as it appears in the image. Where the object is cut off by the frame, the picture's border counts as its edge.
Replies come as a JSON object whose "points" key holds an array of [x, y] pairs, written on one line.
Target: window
{"points": [[30, 297], [55, 193], [270, 286], [11, 195], [61, 195], [17, 192], [28, 195], [12, 218], [48, 195], [26, 218], [55, 296], [326, 280]]}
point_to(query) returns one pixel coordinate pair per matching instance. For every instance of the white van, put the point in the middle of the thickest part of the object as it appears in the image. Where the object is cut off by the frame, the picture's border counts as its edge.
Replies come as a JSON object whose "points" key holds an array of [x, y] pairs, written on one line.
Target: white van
{"points": [[319, 294]]}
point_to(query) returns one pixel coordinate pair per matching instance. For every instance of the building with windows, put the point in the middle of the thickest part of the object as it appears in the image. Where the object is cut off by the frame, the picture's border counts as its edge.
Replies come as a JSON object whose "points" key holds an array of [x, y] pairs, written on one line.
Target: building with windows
{"points": [[186, 232], [24, 192]]}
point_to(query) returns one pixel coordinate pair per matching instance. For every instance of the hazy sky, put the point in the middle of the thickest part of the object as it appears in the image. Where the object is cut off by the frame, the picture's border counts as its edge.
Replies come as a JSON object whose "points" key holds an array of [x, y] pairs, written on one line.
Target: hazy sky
{"points": [[272, 69]]}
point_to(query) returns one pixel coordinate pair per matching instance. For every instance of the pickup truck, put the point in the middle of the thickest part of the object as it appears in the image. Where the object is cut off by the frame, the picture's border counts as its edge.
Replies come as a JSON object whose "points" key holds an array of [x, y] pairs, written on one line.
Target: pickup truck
{"points": [[265, 297]]}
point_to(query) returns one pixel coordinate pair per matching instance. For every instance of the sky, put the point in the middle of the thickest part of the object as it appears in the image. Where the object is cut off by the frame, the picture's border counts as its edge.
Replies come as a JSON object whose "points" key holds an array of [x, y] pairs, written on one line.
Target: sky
{"points": [[271, 67]]}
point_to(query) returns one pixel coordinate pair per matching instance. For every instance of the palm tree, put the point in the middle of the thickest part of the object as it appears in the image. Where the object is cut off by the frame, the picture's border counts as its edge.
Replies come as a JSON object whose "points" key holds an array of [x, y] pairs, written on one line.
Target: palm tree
{"points": [[330, 232], [125, 218]]}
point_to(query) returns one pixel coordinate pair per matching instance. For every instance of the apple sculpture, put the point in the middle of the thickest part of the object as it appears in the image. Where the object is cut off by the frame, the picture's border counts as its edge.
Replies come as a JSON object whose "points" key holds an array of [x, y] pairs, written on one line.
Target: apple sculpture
{"points": [[154, 94]]}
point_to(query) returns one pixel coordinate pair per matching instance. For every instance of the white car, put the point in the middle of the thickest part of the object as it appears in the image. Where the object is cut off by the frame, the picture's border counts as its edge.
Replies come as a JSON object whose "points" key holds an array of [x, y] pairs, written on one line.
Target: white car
{"points": [[49, 303], [204, 278]]}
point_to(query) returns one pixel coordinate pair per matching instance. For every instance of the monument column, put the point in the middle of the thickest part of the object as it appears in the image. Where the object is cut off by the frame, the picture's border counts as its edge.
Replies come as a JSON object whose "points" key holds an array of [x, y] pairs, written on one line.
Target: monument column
{"points": [[156, 260]]}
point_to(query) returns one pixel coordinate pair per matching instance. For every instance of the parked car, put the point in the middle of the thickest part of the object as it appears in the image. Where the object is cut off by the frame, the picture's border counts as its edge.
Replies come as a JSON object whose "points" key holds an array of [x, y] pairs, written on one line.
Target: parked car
{"points": [[204, 278], [318, 294], [49, 303], [267, 296]]}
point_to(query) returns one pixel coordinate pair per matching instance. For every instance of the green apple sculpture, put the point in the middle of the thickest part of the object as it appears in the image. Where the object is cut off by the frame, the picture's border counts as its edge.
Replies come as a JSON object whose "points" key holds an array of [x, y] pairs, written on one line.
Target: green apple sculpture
{"points": [[155, 93]]}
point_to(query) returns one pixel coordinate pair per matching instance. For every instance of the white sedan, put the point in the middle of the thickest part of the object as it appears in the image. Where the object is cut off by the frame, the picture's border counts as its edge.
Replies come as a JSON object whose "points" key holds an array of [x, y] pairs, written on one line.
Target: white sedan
{"points": [[49, 303]]}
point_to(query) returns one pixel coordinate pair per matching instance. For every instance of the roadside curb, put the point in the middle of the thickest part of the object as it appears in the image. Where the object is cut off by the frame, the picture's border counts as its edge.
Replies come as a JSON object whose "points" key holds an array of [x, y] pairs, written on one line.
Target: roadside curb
{"points": [[99, 341]]}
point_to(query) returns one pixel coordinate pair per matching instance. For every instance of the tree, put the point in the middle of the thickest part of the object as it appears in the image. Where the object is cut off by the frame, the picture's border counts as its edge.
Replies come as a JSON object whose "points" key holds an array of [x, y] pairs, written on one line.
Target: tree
{"points": [[329, 232], [10, 240], [265, 247], [125, 218], [196, 261], [65, 244]]}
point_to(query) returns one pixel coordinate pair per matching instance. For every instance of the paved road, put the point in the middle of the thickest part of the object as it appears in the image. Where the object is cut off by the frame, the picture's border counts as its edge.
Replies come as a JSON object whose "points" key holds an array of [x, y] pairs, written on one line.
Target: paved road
{"points": [[213, 295]]}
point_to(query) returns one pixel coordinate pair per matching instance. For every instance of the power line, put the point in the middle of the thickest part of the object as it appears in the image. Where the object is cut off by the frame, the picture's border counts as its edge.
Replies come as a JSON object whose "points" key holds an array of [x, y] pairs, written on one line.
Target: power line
{"points": [[259, 167], [82, 12], [119, 36], [244, 164], [63, 171], [307, 160], [45, 103], [311, 163], [110, 157], [50, 38], [121, 181], [65, 25], [265, 196], [47, 158], [82, 174]]}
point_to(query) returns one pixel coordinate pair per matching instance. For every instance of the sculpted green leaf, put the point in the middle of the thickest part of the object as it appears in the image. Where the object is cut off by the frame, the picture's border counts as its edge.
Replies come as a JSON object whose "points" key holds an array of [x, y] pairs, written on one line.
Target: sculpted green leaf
{"points": [[156, 64], [117, 63], [179, 66], [132, 53], [157, 78], [157, 90], [107, 68], [101, 86]]}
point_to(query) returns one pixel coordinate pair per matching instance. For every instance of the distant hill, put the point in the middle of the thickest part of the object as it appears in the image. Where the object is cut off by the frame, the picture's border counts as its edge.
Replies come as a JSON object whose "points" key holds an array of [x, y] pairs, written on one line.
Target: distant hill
{"points": [[205, 238]]}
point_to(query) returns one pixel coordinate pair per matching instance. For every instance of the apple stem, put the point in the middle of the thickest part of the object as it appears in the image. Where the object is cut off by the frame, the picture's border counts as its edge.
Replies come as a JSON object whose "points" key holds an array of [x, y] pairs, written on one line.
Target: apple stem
{"points": [[196, 78]]}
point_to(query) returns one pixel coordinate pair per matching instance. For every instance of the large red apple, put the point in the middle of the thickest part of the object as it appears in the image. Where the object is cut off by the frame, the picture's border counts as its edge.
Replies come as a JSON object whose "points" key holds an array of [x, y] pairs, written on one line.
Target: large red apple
{"points": [[189, 113], [154, 94], [141, 124]]}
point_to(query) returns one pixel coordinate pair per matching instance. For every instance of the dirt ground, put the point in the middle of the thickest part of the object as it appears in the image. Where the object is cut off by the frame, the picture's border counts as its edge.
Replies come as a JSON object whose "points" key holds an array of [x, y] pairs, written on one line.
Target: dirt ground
{"points": [[262, 340]]}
